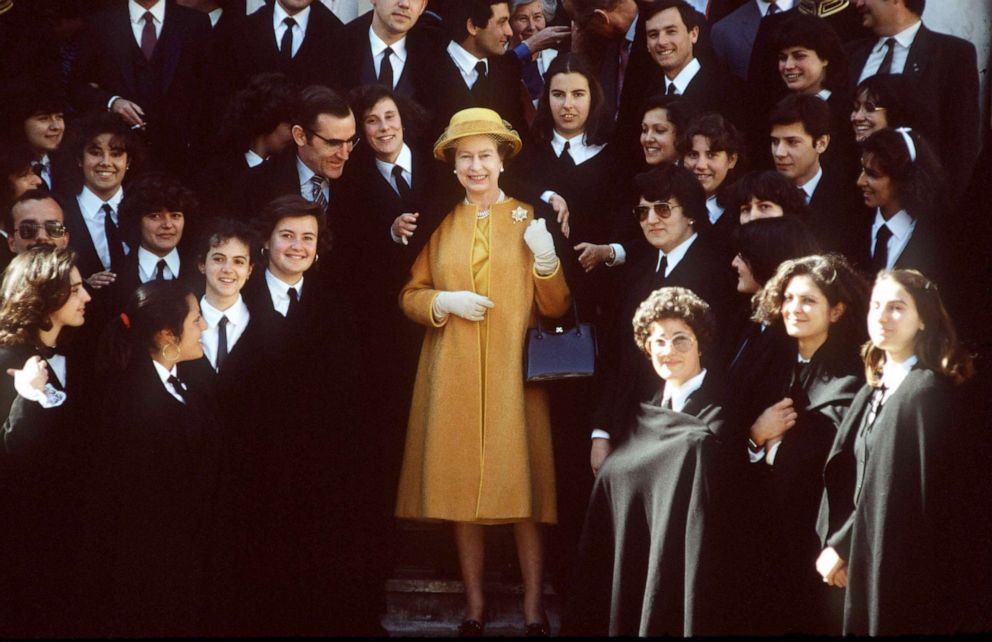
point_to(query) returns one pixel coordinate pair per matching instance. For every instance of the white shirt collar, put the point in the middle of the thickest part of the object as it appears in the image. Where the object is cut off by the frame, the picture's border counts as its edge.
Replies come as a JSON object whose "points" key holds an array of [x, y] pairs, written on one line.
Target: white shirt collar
{"points": [[763, 5], [677, 254], [810, 186], [278, 292], [901, 224], [237, 314], [148, 262], [685, 76], [137, 12], [253, 159], [215, 16], [824, 94], [680, 394], [279, 14], [305, 173], [904, 38], [378, 46], [578, 148], [713, 209], [46, 162], [465, 61], [164, 375], [90, 203], [404, 160], [631, 34], [893, 374]]}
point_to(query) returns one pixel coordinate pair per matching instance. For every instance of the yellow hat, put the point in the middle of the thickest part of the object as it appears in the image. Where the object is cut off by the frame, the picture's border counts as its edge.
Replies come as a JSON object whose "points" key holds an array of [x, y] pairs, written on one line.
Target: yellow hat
{"points": [[473, 122]]}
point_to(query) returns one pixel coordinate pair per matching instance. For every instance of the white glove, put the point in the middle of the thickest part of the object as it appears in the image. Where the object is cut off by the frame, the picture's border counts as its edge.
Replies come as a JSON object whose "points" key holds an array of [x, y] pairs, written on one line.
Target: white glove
{"points": [[465, 304], [538, 239]]}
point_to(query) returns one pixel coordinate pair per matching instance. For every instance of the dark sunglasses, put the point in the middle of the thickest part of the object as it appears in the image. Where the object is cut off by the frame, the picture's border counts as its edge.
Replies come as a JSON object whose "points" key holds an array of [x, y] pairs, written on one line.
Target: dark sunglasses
{"points": [[663, 210], [29, 230]]}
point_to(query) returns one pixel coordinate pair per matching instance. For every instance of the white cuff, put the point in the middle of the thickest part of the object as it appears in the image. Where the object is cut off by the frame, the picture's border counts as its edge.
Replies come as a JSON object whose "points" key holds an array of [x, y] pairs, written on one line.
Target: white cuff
{"points": [[621, 255], [599, 433], [772, 453], [396, 239], [110, 103], [49, 397], [754, 456], [546, 196]]}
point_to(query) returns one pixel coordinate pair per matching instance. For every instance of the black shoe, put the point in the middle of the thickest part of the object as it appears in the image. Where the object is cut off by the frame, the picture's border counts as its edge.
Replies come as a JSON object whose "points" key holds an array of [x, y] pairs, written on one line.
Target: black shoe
{"points": [[470, 629], [537, 630]]}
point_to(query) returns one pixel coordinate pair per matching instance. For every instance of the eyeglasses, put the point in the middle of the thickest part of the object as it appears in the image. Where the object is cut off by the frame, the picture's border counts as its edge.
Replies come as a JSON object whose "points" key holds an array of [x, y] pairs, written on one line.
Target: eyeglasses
{"points": [[336, 143], [663, 210], [679, 343], [868, 106], [29, 229]]}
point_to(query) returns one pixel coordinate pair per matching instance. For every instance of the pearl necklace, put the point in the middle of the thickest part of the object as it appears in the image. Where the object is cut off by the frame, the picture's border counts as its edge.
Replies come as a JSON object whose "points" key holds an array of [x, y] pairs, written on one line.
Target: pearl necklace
{"points": [[484, 213]]}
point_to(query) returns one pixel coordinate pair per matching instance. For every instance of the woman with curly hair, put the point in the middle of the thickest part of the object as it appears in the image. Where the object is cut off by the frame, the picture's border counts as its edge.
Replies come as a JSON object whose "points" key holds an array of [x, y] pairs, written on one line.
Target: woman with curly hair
{"points": [[898, 468], [820, 301], [651, 550], [44, 433]]}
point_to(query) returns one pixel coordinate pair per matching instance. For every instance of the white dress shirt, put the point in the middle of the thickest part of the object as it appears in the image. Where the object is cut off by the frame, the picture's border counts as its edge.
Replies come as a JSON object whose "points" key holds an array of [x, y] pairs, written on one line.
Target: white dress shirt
{"points": [[164, 375], [299, 29], [237, 321], [397, 60], [347, 10], [279, 292], [763, 6], [809, 188], [684, 77], [893, 374], [679, 395], [253, 159], [56, 366], [90, 206], [46, 169], [713, 209], [215, 16], [148, 265], [904, 40], [465, 62], [306, 187], [578, 148], [676, 255], [137, 15], [901, 225], [405, 162]]}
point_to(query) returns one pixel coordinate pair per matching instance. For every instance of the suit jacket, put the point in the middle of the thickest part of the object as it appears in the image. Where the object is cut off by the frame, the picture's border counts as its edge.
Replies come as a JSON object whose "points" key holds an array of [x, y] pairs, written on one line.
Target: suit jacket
{"points": [[944, 70], [733, 38], [927, 249], [128, 280], [835, 210], [169, 87]]}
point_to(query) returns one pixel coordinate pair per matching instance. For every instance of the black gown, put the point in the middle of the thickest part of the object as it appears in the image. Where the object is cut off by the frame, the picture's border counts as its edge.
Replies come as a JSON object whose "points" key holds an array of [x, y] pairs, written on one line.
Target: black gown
{"points": [[659, 531]]}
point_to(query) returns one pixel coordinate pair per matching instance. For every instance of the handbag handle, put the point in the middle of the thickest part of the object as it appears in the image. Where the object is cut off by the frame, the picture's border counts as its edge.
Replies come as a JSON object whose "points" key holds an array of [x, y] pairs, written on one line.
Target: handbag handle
{"points": [[575, 314]]}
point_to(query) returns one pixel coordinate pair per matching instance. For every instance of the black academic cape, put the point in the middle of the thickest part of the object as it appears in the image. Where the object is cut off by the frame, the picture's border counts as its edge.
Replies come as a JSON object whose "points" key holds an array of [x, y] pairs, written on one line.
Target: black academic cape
{"points": [[784, 499], [654, 549], [897, 533]]}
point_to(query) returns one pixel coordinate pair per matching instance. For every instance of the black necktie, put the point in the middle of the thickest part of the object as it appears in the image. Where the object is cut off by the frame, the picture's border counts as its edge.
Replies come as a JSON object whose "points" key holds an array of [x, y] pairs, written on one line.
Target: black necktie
{"points": [[880, 255], [113, 239], [566, 157], [402, 187], [286, 45], [386, 69], [160, 270], [294, 303], [222, 341], [802, 193], [148, 38], [672, 89], [886, 66], [178, 386], [874, 408], [38, 169], [797, 392], [662, 267], [772, 9], [480, 90]]}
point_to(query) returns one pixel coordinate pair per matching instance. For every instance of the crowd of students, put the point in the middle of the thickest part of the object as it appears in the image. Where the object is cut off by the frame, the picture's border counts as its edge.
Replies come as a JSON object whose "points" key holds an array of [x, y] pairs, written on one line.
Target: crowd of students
{"points": [[232, 229]]}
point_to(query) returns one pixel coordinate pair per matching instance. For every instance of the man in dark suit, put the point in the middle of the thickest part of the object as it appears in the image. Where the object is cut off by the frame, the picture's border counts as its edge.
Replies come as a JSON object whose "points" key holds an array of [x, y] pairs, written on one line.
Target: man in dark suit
{"points": [[942, 68], [145, 60], [472, 71], [324, 136], [800, 135], [388, 35]]}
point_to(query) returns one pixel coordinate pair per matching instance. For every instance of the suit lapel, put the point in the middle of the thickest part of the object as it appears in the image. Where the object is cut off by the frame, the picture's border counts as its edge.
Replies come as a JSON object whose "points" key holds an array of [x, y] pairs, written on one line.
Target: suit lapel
{"points": [[120, 41], [169, 44], [920, 53]]}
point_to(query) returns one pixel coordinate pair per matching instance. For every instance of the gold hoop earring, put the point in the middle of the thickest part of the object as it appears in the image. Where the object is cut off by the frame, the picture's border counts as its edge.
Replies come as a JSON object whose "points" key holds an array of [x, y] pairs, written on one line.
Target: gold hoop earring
{"points": [[166, 357]]}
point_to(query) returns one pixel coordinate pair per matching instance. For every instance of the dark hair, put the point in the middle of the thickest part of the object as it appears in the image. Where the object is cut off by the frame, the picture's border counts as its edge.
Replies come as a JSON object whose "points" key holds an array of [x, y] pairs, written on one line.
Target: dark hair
{"points": [[81, 134], [677, 111], [150, 193], [903, 107], [457, 13], [918, 184], [30, 195], [937, 345], [670, 181], [35, 285], [316, 100], [839, 282], [687, 13], [222, 230], [365, 97], [814, 33], [26, 99], [599, 123], [269, 100], [583, 10], [290, 206], [15, 160], [675, 303], [916, 6], [154, 306], [766, 186], [764, 244], [811, 111]]}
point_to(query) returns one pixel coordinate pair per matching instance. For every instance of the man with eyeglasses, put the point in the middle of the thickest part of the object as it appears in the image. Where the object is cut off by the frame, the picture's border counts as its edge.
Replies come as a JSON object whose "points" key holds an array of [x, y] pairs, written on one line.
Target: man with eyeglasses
{"points": [[35, 219], [324, 133]]}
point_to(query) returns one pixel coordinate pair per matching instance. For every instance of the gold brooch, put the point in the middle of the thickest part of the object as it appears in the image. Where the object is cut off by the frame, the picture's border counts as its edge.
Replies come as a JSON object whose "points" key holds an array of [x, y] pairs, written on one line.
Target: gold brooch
{"points": [[519, 215]]}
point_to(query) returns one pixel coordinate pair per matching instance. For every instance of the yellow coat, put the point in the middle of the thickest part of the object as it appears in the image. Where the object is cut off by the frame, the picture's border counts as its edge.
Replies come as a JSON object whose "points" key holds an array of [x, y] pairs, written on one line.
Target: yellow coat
{"points": [[475, 455]]}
